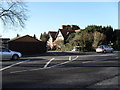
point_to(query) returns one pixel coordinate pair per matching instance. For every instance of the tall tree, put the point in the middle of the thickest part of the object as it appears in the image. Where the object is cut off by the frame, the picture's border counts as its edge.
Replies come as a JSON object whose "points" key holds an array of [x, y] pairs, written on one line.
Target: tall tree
{"points": [[109, 34], [44, 37], [13, 13], [84, 40], [99, 38], [70, 37], [18, 35], [34, 36]]}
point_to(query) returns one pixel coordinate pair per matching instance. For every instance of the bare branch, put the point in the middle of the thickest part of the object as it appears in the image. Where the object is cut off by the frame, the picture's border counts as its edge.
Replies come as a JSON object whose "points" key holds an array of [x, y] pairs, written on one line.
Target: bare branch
{"points": [[13, 13]]}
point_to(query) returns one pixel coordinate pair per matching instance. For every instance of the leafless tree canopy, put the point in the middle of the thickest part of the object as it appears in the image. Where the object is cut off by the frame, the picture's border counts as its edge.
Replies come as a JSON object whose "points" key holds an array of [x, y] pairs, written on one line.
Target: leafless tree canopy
{"points": [[13, 13]]}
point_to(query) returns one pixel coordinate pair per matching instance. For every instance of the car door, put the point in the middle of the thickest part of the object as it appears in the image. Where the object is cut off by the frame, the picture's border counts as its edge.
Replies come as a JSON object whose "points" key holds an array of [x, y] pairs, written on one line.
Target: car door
{"points": [[110, 49], [107, 48], [6, 53]]}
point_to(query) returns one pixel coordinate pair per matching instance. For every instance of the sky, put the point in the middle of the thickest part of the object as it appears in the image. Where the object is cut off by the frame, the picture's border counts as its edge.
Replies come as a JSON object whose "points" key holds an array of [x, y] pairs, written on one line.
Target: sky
{"points": [[50, 16]]}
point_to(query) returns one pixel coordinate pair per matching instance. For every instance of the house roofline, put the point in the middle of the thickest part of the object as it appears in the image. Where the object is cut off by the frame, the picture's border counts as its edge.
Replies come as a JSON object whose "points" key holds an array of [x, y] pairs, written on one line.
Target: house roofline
{"points": [[16, 38]]}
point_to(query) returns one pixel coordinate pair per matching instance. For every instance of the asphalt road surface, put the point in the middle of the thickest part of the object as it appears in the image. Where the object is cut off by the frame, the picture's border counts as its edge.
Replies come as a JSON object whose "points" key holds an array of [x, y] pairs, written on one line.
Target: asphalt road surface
{"points": [[62, 70]]}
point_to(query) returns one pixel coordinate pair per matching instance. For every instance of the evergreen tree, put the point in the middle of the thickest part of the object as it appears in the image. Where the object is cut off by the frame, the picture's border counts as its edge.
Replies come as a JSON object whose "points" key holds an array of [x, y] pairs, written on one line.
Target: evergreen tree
{"points": [[44, 37], [18, 35], [34, 36]]}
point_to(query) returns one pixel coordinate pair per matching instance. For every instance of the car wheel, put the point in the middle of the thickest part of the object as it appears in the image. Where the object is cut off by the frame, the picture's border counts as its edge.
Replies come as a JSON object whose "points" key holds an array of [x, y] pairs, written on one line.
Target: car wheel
{"points": [[15, 57], [104, 51]]}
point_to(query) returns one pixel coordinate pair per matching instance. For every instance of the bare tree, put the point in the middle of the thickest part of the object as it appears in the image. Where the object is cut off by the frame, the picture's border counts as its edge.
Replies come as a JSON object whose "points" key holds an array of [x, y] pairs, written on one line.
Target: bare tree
{"points": [[13, 13]]}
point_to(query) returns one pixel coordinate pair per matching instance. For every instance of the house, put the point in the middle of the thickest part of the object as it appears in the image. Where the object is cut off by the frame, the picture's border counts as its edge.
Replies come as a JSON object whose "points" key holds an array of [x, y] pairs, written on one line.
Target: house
{"points": [[52, 37], [71, 27], [64, 32], [61, 35], [4, 42], [27, 45]]}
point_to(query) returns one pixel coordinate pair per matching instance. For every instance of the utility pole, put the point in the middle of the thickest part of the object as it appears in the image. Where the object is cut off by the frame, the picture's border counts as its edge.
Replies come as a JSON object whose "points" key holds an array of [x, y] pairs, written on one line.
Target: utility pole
{"points": [[119, 15]]}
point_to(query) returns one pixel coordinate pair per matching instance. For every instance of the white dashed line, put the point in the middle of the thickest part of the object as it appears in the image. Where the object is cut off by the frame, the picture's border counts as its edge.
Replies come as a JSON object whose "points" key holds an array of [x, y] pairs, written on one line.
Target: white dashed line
{"points": [[12, 65]]}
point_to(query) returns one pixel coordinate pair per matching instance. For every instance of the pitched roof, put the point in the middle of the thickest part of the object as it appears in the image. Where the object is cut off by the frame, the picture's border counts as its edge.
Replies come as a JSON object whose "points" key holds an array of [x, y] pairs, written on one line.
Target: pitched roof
{"points": [[65, 33], [52, 34], [26, 38]]}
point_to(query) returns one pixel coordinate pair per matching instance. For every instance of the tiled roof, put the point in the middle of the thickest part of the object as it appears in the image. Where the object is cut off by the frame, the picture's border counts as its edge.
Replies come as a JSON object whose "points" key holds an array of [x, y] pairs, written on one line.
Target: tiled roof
{"points": [[17, 38], [66, 33], [53, 34]]}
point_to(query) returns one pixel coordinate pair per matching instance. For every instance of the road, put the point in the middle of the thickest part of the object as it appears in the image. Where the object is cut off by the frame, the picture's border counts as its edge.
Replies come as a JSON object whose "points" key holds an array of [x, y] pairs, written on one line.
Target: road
{"points": [[62, 70]]}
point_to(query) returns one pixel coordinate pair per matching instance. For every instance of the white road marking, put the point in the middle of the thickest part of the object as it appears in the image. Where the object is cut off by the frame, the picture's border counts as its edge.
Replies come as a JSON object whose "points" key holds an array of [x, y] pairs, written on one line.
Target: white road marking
{"points": [[40, 68], [88, 61], [18, 71], [28, 70], [107, 54], [34, 69], [13, 65], [70, 58], [45, 67], [48, 62], [63, 63], [117, 57], [59, 64], [76, 58]]}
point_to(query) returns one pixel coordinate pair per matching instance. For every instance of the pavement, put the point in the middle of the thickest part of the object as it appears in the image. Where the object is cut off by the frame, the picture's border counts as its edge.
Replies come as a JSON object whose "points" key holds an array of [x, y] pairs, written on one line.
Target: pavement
{"points": [[62, 70]]}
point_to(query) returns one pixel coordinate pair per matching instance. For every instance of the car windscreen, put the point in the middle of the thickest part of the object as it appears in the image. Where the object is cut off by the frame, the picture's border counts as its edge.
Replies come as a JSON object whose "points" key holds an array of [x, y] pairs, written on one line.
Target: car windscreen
{"points": [[5, 50], [99, 46]]}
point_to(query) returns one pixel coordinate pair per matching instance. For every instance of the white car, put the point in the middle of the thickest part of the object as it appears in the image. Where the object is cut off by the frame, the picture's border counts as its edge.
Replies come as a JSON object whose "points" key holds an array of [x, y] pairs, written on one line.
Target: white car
{"points": [[9, 54], [104, 49], [76, 48]]}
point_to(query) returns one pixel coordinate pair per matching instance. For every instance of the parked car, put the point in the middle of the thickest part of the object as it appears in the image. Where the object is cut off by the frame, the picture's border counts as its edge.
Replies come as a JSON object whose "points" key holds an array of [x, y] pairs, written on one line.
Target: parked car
{"points": [[76, 48], [9, 54], [104, 49]]}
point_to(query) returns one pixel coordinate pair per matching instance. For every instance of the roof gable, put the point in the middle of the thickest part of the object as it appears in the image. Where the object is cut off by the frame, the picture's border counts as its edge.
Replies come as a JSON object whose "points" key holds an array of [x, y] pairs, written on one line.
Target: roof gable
{"points": [[52, 34], [25, 38], [65, 33]]}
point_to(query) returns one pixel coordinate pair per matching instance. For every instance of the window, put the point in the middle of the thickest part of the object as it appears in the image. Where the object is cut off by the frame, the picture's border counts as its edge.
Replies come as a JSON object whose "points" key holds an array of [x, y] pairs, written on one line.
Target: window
{"points": [[5, 50]]}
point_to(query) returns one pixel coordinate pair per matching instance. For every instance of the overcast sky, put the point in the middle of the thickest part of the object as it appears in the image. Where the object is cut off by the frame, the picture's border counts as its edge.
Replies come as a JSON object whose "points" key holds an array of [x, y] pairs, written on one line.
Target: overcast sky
{"points": [[49, 16]]}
